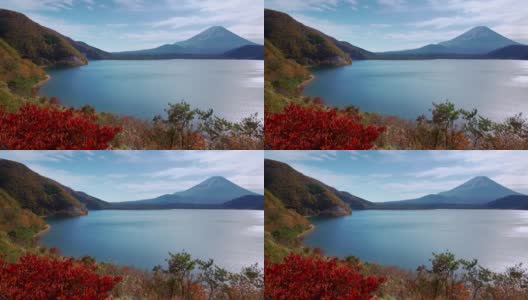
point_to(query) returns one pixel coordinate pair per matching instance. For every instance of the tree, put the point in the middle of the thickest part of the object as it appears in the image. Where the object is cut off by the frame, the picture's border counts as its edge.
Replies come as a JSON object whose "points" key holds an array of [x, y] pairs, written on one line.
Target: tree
{"points": [[46, 277], [53, 128], [444, 266], [477, 276], [444, 116], [313, 128], [476, 126], [317, 277]]}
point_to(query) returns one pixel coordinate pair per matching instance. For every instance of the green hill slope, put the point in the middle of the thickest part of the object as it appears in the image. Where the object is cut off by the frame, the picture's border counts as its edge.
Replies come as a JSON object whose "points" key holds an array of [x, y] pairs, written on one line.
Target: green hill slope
{"points": [[307, 196], [305, 45], [283, 74], [40, 195], [282, 226], [19, 74], [41, 45]]}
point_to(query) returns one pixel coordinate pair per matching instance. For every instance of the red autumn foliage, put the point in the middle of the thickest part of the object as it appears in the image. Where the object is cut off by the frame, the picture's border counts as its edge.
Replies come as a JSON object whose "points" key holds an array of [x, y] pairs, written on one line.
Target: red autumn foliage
{"points": [[54, 101], [49, 128], [317, 277], [300, 127], [47, 277], [318, 101]]}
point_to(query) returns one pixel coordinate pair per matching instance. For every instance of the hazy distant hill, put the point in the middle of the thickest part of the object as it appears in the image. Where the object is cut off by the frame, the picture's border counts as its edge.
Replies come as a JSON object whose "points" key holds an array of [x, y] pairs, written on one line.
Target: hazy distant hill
{"points": [[255, 202], [510, 202], [510, 52], [214, 41], [40, 44], [246, 52], [90, 202], [89, 51], [478, 41]]}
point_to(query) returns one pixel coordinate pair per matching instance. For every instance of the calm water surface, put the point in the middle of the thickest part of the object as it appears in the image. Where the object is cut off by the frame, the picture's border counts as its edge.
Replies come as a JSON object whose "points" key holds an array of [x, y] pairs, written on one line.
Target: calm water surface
{"points": [[497, 238], [497, 88], [233, 88], [143, 238]]}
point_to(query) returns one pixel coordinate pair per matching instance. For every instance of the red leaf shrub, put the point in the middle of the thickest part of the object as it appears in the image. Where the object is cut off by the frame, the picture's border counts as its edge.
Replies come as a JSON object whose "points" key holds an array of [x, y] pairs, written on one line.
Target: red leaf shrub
{"points": [[48, 128], [35, 277], [317, 277], [305, 128]]}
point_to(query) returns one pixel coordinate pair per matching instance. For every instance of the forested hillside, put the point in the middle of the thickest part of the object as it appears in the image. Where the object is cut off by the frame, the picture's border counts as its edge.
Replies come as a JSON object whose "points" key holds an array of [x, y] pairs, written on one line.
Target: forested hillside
{"points": [[305, 45], [41, 45]]}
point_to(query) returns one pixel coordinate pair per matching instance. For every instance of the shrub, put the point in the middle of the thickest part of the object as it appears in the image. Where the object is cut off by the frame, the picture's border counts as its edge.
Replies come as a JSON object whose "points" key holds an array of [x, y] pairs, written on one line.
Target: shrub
{"points": [[46, 277], [310, 127], [188, 278], [48, 128], [317, 277]]}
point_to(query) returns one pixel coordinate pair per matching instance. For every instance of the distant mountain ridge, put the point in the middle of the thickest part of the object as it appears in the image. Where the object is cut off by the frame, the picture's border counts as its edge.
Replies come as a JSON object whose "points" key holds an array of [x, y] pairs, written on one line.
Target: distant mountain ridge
{"points": [[476, 192], [215, 40], [214, 191], [479, 40]]}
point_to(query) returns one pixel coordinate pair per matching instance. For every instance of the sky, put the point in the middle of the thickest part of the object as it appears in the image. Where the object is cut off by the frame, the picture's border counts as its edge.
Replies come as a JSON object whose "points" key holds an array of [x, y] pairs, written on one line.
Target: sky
{"points": [[134, 175], [383, 25], [401, 175], [119, 25]]}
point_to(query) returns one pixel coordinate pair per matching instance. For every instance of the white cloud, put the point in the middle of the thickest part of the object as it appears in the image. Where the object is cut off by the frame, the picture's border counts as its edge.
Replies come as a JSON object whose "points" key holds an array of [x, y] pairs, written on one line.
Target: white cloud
{"points": [[393, 4], [285, 155], [243, 17], [77, 31], [34, 5], [508, 17], [506, 167], [130, 4], [310, 5]]}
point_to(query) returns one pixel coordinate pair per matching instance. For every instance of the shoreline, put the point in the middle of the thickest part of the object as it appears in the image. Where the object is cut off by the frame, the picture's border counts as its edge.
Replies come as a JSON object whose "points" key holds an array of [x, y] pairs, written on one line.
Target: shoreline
{"points": [[306, 232], [42, 82], [306, 82], [47, 228]]}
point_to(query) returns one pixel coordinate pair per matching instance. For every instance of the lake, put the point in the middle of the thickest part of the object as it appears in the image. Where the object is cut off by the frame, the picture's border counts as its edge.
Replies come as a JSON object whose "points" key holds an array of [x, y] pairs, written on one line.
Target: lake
{"points": [[497, 238], [142, 88], [233, 238], [407, 88]]}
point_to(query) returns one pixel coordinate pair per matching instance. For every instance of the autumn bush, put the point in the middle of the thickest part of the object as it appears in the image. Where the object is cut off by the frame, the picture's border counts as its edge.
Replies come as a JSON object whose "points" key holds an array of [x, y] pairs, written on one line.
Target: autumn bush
{"points": [[314, 127], [317, 277], [47, 277], [34, 127]]}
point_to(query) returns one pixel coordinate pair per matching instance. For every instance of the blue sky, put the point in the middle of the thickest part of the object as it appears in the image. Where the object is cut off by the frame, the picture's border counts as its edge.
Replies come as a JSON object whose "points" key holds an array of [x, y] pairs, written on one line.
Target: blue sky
{"points": [[118, 25], [398, 175], [381, 25], [134, 175]]}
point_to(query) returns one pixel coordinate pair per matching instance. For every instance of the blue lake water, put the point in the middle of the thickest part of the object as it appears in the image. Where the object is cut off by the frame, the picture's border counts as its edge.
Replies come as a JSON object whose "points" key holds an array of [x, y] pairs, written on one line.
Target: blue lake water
{"points": [[497, 238], [234, 239], [497, 88], [142, 88]]}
